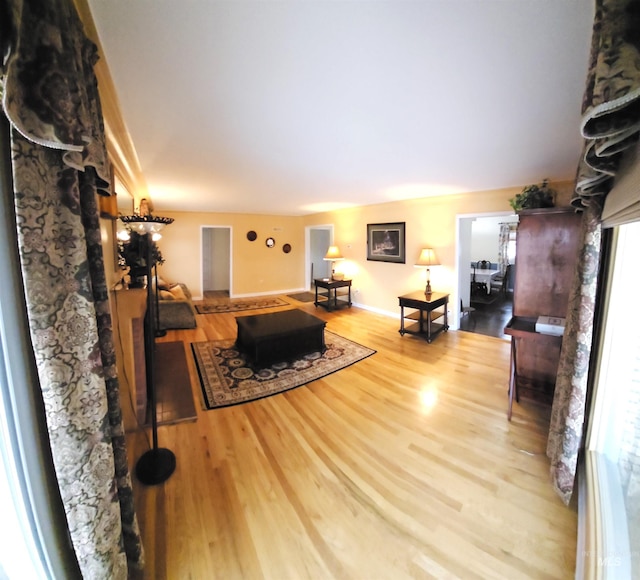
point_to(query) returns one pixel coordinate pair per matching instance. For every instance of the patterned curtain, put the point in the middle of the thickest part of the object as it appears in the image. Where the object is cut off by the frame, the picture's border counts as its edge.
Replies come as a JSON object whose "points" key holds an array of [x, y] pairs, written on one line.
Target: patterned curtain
{"points": [[503, 247], [568, 411], [610, 125], [49, 94]]}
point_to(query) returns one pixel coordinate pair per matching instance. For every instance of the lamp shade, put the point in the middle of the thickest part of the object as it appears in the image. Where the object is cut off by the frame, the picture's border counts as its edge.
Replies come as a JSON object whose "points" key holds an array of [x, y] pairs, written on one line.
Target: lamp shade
{"points": [[427, 258], [145, 224], [333, 253]]}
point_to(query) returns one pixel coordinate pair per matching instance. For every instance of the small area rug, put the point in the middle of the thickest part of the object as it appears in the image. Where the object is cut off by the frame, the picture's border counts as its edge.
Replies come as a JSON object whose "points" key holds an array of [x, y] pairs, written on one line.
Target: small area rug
{"points": [[303, 296], [227, 378], [235, 306], [174, 398]]}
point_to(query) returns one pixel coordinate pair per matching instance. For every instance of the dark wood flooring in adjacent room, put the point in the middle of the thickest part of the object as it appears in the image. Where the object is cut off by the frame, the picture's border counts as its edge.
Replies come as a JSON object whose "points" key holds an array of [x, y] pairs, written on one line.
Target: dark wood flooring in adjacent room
{"points": [[489, 319]]}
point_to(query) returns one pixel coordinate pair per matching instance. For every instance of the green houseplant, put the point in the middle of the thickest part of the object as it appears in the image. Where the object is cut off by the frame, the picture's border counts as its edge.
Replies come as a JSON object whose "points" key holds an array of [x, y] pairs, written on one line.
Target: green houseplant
{"points": [[534, 197]]}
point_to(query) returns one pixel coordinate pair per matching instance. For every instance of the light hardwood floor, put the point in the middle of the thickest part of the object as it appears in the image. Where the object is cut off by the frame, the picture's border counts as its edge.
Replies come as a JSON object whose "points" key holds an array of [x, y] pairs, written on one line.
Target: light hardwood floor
{"points": [[401, 466]]}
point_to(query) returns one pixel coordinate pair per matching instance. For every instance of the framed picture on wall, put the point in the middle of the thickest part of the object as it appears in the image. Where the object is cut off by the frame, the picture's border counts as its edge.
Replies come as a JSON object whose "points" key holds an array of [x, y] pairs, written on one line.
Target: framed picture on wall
{"points": [[385, 242]]}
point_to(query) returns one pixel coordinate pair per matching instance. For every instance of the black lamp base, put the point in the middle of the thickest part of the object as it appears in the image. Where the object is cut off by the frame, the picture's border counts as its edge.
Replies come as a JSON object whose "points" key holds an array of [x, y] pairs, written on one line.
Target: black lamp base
{"points": [[155, 466]]}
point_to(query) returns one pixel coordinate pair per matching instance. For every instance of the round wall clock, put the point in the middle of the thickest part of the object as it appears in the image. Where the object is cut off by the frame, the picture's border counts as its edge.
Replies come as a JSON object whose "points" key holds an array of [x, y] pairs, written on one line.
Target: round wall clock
{"points": [[270, 242], [286, 248], [251, 236]]}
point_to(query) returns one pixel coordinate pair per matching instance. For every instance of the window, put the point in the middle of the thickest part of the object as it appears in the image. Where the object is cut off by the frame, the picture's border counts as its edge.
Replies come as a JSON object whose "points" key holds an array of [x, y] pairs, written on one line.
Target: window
{"points": [[612, 478], [511, 244]]}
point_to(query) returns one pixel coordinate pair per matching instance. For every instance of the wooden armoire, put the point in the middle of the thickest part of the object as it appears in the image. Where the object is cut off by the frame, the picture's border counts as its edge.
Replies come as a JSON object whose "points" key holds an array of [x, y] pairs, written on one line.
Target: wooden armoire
{"points": [[547, 246]]}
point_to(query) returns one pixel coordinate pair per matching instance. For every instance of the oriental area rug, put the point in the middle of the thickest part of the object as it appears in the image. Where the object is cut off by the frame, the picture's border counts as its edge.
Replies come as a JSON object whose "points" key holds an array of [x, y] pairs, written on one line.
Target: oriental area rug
{"points": [[238, 305], [227, 377]]}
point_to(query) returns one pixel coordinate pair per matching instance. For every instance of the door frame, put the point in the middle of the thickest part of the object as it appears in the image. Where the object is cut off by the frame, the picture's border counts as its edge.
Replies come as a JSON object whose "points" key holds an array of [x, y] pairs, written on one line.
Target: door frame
{"points": [[463, 251], [218, 227], [307, 246]]}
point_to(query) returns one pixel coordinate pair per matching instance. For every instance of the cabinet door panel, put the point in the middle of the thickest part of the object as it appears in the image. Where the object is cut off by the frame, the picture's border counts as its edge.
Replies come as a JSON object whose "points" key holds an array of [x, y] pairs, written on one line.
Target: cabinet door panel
{"points": [[537, 367], [546, 254]]}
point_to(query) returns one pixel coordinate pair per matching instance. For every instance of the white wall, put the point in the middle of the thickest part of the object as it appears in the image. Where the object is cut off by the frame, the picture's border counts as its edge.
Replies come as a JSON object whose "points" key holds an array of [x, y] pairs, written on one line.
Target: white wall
{"points": [[485, 234], [319, 242], [216, 251]]}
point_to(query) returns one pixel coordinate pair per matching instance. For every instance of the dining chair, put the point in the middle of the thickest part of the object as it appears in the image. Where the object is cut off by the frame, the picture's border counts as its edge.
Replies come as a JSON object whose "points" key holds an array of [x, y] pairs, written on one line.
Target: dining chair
{"points": [[477, 287], [483, 264], [501, 281], [466, 310]]}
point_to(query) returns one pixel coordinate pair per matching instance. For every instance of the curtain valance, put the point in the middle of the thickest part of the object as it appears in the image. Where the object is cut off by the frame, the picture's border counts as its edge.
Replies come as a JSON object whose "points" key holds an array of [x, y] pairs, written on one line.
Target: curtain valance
{"points": [[49, 90], [611, 104]]}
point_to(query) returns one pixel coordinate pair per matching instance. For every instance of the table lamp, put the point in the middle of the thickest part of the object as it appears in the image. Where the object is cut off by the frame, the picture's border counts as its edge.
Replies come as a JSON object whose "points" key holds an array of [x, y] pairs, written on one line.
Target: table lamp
{"points": [[427, 259], [333, 254]]}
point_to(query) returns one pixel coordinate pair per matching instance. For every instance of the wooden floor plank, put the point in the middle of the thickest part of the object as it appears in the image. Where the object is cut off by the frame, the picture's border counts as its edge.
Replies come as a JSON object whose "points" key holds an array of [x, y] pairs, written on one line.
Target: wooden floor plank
{"points": [[401, 466]]}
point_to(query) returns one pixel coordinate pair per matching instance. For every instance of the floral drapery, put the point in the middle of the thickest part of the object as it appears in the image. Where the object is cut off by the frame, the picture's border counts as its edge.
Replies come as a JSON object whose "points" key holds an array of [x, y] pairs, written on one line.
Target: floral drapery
{"points": [[610, 125], [503, 247], [49, 94], [568, 411]]}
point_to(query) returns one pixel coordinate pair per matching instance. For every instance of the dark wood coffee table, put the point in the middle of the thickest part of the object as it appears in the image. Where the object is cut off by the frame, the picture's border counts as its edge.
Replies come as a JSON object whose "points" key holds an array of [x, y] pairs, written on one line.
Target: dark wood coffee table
{"points": [[279, 336]]}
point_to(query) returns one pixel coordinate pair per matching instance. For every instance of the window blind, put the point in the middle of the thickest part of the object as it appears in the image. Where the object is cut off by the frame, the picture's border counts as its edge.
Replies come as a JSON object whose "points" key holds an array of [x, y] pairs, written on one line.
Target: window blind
{"points": [[622, 204]]}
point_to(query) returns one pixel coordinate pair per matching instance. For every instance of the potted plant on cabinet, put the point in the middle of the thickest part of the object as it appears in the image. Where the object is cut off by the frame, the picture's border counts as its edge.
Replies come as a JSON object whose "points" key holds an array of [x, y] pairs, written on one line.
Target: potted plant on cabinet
{"points": [[534, 197]]}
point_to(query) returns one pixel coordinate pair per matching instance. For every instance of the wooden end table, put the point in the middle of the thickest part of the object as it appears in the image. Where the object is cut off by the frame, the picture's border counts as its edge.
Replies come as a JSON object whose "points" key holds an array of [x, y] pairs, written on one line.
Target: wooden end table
{"points": [[427, 309], [332, 300]]}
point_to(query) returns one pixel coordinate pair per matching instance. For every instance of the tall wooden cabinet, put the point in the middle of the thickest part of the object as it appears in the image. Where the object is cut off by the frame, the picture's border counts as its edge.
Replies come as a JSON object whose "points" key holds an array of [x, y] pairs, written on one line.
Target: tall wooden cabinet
{"points": [[547, 245]]}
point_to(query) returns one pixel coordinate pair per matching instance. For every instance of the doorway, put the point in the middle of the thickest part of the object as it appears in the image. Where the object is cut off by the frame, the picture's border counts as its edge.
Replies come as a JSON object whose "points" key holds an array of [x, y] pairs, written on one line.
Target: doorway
{"points": [[478, 239], [216, 260], [318, 240]]}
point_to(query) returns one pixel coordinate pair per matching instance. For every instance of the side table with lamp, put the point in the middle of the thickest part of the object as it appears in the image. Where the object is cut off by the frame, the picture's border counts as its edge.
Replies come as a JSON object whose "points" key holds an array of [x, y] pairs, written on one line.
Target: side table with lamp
{"points": [[331, 300], [428, 306]]}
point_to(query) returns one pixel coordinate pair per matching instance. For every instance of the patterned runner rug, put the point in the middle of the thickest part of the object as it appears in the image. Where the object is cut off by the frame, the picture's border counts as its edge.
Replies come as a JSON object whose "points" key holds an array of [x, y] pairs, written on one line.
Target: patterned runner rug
{"points": [[174, 398], [238, 305], [228, 378]]}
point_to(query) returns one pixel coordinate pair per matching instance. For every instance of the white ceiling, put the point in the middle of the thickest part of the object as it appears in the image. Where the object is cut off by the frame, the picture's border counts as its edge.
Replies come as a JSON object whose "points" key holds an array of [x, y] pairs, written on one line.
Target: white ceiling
{"points": [[299, 106]]}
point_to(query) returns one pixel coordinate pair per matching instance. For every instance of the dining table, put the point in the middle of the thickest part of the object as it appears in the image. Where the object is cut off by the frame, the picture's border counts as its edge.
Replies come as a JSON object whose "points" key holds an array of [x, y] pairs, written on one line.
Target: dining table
{"points": [[483, 275]]}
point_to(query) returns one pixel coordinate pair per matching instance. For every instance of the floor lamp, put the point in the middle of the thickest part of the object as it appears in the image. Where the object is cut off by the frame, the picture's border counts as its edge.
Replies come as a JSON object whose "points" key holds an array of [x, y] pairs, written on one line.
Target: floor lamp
{"points": [[157, 464]]}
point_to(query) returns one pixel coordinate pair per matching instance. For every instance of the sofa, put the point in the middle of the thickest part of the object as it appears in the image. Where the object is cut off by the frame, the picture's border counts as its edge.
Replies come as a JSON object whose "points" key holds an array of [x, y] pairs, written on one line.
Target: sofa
{"points": [[175, 307]]}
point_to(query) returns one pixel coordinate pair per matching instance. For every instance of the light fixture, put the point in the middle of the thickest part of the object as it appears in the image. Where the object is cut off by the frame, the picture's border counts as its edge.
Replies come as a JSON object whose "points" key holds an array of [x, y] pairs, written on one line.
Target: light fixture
{"points": [[333, 255], [157, 464], [427, 259]]}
